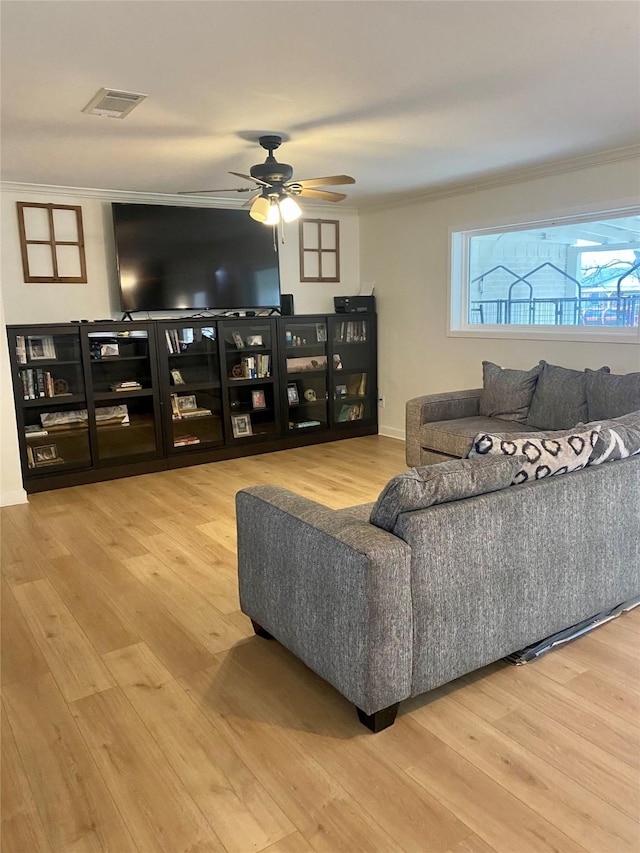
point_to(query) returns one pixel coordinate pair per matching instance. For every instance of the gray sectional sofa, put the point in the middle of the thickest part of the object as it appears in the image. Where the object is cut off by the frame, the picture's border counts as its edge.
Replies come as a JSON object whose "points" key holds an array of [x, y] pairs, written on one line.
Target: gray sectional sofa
{"points": [[455, 566], [547, 397]]}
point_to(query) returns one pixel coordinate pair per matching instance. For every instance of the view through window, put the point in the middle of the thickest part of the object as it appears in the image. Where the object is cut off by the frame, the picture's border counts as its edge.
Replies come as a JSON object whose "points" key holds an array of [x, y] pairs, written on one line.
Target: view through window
{"points": [[584, 273]]}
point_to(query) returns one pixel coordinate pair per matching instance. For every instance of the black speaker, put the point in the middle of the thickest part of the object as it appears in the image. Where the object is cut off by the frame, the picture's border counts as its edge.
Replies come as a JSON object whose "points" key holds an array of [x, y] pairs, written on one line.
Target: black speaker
{"points": [[286, 304]]}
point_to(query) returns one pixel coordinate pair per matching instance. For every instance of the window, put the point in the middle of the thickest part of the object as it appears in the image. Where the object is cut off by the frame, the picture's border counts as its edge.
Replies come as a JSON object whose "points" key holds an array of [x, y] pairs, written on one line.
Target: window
{"points": [[565, 278], [319, 250], [52, 243]]}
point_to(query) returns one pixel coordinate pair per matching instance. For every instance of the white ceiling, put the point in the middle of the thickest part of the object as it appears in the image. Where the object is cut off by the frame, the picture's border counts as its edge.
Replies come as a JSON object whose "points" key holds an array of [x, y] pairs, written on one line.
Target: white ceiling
{"points": [[404, 96]]}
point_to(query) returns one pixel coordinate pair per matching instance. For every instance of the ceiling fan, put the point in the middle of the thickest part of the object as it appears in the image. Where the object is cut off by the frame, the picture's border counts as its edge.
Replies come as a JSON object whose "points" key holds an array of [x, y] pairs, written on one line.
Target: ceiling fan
{"points": [[276, 190]]}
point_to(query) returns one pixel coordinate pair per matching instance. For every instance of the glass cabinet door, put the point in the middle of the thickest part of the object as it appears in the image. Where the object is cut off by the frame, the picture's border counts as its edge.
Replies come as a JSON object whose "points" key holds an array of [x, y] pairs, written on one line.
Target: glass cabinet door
{"points": [[304, 346], [353, 370], [191, 382], [48, 380], [124, 393], [248, 370]]}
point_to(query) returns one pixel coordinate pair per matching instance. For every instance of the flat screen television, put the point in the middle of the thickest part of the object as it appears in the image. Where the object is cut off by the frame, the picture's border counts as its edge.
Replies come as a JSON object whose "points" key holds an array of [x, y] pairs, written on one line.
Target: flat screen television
{"points": [[174, 258]]}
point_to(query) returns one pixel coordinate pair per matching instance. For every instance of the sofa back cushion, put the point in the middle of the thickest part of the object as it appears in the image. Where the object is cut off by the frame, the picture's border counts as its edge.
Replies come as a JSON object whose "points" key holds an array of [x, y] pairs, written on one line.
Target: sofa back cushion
{"points": [[419, 488], [540, 454], [506, 393], [617, 439], [610, 395], [560, 398]]}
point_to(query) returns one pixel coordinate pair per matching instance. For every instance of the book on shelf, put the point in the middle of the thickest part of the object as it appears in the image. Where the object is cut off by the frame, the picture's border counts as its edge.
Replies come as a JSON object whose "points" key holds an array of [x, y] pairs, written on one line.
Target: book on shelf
{"points": [[184, 440], [352, 332], [40, 383], [194, 413], [174, 344], [126, 386], [21, 349], [33, 430]]}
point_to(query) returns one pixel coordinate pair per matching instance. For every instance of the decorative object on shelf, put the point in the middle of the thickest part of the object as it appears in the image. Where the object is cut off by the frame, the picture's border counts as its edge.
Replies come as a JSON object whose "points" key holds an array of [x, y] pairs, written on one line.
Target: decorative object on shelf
{"points": [[237, 371], [241, 425], [41, 348], [45, 454], [292, 394], [177, 377], [310, 395], [52, 243], [337, 362], [186, 402], [319, 250], [237, 339], [321, 333], [288, 337], [351, 413], [341, 391], [299, 365], [254, 341], [258, 400], [109, 350], [60, 387]]}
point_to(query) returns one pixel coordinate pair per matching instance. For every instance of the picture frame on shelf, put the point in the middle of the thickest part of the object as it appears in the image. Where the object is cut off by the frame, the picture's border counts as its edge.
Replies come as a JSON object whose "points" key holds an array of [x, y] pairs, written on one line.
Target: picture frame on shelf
{"points": [[187, 402], [321, 333], [237, 339], [241, 426], [258, 400], [109, 350], [292, 394], [341, 391], [45, 453], [254, 341], [177, 377], [41, 348]]}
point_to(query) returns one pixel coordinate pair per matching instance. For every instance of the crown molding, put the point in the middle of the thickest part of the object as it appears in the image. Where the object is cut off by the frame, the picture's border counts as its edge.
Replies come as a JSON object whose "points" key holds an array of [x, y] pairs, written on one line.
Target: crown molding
{"points": [[146, 197], [503, 178]]}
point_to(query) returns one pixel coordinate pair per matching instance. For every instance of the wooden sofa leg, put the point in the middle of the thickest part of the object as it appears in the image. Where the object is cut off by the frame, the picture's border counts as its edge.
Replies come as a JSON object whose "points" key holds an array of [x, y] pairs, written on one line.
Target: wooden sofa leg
{"points": [[260, 631], [381, 719]]}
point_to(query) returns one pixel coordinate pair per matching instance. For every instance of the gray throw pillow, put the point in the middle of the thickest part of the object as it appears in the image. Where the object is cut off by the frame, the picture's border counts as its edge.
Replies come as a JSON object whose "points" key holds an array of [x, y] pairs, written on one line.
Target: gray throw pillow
{"points": [[507, 393], [560, 398], [618, 438], [610, 395], [543, 455], [419, 488]]}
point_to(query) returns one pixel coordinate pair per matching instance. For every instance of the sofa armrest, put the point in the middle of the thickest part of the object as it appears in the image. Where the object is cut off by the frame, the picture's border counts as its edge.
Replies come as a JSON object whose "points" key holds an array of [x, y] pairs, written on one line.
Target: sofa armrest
{"points": [[333, 589], [436, 407]]}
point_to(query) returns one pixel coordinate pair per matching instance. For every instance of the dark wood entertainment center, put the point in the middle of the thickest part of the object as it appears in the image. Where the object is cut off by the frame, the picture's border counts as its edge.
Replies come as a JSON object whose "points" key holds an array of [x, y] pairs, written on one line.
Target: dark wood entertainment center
{"points": [[101, 400]]}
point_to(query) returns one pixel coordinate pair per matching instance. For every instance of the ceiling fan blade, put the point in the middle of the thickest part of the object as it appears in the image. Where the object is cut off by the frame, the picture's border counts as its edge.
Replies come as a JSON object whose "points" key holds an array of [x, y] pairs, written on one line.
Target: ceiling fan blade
{"points": [[228, 190], [330, 181], [249, 178], [325, 195]]}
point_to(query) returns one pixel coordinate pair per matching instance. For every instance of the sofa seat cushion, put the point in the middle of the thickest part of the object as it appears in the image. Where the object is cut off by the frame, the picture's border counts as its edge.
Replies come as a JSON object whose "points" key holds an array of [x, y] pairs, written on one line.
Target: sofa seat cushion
{"points": [[455, 437], [543, 454], [618, 438], [419, 488], [610, 395], [506, 393], [560, 398]]}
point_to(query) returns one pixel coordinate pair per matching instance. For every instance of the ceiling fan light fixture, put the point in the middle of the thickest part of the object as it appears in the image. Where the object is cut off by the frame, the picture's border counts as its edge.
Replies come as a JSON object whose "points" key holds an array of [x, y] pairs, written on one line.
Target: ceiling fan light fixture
{"points": [[260, 209], [273, 217], [290, 209]]}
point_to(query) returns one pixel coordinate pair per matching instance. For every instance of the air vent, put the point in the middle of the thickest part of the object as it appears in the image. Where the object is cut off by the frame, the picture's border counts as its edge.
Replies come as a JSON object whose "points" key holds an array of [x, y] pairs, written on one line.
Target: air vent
{"points": [[112, 103]]}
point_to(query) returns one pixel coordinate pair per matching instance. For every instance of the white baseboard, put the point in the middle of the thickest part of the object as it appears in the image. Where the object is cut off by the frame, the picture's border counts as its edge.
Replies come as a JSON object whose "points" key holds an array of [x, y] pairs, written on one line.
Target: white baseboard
{"points": [[391, 432], [13, 498]]}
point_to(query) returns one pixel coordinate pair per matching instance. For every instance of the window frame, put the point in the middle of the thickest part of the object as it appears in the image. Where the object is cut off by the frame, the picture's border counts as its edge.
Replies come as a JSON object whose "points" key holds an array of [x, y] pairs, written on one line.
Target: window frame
{"points": [[458, 288]]}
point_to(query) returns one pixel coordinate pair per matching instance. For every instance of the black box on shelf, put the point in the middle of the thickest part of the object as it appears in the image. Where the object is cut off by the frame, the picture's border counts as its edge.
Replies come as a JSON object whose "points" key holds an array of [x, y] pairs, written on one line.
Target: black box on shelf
{"points": [[354, 304]]}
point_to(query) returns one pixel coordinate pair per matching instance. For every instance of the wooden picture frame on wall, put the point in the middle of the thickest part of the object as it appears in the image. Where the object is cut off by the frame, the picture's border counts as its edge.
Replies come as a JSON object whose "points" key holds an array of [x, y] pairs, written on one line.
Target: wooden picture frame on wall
{"points": [[319, 241], [52, 243]]}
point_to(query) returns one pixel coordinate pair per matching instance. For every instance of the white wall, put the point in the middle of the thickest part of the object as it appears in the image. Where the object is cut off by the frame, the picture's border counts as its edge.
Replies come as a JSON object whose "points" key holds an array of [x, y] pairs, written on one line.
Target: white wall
{"points": [[406, 251], [51, 303]]}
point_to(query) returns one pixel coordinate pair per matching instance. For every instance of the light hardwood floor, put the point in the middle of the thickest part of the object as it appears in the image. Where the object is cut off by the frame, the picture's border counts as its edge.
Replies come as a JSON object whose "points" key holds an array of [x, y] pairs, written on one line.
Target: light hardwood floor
{"points": [[141, 714]]}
